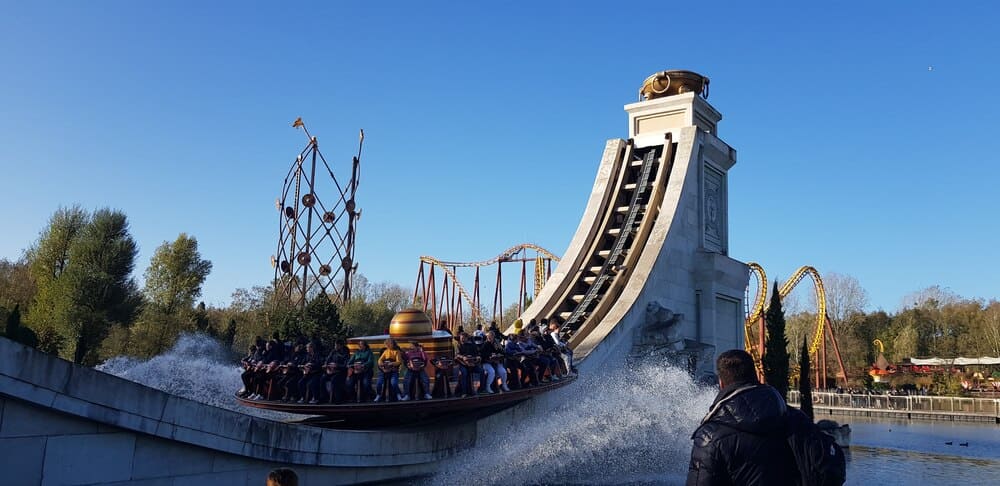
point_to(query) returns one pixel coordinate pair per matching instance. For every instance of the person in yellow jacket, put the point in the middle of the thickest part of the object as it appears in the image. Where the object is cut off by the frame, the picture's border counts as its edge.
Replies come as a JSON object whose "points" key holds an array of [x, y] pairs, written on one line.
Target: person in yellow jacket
{"points": [[388, 368]]}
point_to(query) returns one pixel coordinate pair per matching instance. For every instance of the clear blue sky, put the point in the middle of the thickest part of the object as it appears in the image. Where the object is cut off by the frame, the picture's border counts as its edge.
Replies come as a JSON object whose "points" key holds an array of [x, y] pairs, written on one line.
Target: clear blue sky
{"points": [[865, 132]]}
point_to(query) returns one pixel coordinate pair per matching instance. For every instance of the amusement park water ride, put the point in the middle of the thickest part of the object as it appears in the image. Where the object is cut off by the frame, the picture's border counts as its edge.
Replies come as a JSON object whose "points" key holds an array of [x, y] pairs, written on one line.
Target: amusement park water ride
{"points": [[407, 326], [316, 244]]}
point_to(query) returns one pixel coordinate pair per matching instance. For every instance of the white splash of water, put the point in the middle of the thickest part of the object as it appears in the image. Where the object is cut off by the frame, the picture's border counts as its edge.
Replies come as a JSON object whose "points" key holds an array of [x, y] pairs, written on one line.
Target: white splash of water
{"points": [[617, 428], [197, 367]]}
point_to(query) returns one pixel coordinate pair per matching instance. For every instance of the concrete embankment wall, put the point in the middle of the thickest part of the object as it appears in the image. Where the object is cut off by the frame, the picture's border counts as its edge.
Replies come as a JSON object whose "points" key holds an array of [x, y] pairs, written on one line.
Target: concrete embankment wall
{"points": [[66, 424]]}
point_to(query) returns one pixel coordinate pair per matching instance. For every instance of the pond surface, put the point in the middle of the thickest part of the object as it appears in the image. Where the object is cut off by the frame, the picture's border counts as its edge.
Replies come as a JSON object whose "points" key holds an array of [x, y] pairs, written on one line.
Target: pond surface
{"points": [[889, 452]]}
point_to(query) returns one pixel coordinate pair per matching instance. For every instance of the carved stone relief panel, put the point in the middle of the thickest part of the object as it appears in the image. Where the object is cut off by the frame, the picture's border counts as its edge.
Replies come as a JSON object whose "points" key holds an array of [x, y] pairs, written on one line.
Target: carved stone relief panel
{"points": [[714, 210]]}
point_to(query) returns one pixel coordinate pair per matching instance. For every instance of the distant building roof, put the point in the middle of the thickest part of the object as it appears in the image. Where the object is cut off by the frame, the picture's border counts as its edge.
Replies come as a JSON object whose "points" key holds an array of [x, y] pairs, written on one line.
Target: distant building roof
{"points": [[985, 360]]}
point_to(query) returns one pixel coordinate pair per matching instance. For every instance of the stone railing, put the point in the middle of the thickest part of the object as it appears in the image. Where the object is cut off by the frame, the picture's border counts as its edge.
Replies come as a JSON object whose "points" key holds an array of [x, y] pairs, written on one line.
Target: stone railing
{"points": [[62, 423]]}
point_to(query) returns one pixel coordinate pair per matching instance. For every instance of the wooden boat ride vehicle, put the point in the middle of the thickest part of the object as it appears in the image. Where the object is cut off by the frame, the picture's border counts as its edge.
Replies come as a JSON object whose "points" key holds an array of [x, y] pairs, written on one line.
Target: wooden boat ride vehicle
{"points": [[408, 328]]}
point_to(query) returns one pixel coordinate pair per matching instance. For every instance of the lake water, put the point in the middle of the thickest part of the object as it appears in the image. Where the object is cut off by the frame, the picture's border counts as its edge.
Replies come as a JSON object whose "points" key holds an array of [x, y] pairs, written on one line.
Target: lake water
{"points": [[887, 452]]}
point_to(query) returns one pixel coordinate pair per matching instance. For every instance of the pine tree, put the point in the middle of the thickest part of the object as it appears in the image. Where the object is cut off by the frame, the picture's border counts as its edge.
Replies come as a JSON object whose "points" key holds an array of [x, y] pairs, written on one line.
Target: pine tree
{"points": [[805, 387], [775, 359]]}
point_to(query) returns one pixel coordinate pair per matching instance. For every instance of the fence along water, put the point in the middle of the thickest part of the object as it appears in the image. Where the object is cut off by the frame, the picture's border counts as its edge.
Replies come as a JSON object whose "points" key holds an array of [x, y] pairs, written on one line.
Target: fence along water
{"points": [[908, 406]]}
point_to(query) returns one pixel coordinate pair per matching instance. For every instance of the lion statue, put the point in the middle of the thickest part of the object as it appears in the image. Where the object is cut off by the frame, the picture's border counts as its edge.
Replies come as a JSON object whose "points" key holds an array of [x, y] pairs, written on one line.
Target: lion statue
{"points": [[662, 325]]}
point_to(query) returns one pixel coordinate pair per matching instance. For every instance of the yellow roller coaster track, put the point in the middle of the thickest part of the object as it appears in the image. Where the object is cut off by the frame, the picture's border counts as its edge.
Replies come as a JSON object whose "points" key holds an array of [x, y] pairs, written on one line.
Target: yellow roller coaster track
{"points": [[448, 268], [758, 309]]}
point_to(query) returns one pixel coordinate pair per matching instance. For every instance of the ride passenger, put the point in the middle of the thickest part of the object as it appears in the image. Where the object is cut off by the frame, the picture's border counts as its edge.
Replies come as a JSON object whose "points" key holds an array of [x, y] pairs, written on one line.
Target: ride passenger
{"points": [[309, 384], [480, 379], [360, 368], [335, 372], [545, 359], [562, 345], [469, 365], [248, 363], [552, 350], [512, 360], [279, 347], [496, 330], [493, 363], [416, 365], [444, 368], [388, 370], [290, 374], [268, 352], [529, 359], [266, 373]]}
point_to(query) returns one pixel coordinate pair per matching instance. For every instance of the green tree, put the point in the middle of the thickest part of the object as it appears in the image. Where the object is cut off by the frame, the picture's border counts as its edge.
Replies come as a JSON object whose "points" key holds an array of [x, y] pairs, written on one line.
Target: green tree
{"points": [[175, 275], [17, 286], [372, 306], [990, 325], [16, 332], [50, 255], [229, 334], [48, 259], [174, 278], [319, 320], [100, 290], [905, 344], [153, 333], [805, 387], [199, 319], [775, 360], [83, 267]]}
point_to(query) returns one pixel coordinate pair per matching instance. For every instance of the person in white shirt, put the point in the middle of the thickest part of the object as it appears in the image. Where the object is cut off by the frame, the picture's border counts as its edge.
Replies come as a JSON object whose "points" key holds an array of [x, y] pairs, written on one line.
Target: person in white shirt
{"points": [[566, 351]]}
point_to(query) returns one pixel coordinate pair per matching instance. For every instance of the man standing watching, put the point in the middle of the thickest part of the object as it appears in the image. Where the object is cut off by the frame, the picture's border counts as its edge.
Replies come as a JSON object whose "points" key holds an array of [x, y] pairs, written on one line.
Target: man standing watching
{"points": [[742, 439]]}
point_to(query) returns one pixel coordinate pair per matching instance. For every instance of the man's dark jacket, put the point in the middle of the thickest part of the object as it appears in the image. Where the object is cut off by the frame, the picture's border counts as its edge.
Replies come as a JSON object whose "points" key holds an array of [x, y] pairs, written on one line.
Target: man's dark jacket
{"points": [[742, 440]]}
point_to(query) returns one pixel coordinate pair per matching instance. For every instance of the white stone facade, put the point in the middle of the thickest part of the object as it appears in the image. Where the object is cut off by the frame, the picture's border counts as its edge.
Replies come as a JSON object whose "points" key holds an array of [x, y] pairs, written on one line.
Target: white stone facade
{"points": [[684, 265]]}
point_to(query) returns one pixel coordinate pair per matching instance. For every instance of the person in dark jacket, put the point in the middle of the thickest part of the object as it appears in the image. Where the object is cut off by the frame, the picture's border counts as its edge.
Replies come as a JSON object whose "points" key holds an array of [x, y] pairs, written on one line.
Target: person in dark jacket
{"points": [[335, 372], [312, 376], [742, 440], [249, 363]]}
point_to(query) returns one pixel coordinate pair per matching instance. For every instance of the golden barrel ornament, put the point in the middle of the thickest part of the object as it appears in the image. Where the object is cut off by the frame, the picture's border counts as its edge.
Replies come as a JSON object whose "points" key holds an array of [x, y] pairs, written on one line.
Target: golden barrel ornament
{"points": [[409, 323], [675, 82]]}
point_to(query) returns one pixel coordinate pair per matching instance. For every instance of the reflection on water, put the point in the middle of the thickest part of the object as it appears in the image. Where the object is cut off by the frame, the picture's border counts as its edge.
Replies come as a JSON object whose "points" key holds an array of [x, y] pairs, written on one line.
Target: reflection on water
{"points": [[871, 465], [900, 452]]}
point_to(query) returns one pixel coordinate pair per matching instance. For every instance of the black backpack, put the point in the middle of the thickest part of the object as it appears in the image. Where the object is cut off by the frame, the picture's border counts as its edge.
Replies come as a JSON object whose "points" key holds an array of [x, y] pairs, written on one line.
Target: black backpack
{"points": [[820, 460]]}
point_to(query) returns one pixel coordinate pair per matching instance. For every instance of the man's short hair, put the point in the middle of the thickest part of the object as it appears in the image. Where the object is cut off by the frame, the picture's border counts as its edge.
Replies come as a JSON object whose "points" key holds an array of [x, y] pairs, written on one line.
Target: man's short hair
{"points": [[282, 477], [735, 366]]}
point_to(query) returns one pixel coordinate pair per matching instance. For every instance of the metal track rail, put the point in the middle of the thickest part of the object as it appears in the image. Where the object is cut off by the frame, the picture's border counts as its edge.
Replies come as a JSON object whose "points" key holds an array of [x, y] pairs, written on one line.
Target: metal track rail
{"points": [[607, 271]]}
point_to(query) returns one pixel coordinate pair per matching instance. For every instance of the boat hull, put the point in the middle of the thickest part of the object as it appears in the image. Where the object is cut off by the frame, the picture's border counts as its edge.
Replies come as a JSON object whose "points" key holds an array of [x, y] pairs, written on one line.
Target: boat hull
{"points": [[391, 413]]}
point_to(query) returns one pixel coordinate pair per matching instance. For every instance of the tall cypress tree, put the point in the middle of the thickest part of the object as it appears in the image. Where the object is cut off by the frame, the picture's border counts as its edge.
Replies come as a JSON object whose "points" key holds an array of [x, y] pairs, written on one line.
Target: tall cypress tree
{"points": [[775, 359], [805, 386]]}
